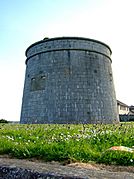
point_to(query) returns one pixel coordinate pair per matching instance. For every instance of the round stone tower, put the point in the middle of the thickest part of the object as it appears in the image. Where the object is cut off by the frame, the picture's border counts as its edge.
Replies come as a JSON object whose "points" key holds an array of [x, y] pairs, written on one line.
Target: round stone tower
{"points": [[68, 80]]}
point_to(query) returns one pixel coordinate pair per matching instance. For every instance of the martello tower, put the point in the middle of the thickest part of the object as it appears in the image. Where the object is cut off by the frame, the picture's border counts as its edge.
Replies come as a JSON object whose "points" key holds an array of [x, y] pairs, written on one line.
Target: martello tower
{"points": [[68, 80]]}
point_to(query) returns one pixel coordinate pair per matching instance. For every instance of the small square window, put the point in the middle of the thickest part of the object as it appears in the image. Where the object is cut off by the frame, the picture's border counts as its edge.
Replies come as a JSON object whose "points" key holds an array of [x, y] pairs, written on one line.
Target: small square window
{"points": [[38, 82]]}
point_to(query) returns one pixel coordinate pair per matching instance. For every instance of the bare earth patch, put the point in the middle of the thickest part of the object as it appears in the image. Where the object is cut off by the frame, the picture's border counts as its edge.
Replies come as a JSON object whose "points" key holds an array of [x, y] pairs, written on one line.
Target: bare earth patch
{"points": [[83, 170], [111, 168]]}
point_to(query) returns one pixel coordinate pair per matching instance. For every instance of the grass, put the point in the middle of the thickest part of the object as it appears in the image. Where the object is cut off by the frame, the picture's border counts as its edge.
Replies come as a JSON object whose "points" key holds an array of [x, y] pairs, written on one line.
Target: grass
{"points": [[68, 142]]}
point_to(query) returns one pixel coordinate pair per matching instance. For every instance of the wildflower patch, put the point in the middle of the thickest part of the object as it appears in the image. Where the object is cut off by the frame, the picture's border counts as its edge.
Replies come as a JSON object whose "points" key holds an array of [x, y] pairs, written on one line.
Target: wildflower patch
{"points": [[101, 143]]}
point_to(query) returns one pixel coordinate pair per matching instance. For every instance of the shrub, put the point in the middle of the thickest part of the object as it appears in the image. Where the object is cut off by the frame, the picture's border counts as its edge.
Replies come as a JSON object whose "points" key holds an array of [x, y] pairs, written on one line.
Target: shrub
{"points": [[3, 121]]}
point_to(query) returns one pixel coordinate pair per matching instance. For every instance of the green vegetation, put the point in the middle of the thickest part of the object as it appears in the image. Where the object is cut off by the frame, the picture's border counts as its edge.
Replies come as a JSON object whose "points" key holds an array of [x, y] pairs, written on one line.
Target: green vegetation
{"points": [[3, 121], [68, 142]]}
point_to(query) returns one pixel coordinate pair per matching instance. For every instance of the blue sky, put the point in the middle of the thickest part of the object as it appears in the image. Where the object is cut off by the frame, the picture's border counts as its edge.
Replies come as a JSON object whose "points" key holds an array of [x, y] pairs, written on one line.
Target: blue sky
{"points": [[23, 22]]}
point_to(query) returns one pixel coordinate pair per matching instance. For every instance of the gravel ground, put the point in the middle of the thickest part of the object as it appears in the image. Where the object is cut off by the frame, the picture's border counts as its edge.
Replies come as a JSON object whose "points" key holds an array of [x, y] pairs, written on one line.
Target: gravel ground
{"points": [[11, 168]]}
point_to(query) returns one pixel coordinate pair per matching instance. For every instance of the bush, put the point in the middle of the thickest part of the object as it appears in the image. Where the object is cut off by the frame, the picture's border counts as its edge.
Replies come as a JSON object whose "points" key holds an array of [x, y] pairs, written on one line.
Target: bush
{"points": [[131, 119], [3, 121]]}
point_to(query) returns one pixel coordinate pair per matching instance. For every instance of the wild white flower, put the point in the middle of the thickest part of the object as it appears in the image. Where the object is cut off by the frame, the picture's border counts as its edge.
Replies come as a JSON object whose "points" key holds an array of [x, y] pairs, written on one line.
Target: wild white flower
{"points": [[69, 136], [10, 138], [67, 139], [77, 139], [131, 160]]}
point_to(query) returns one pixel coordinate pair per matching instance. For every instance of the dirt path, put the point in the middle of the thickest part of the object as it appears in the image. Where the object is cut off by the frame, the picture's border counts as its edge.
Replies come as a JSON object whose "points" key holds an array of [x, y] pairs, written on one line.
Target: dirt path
{"points": [[80, 170]]}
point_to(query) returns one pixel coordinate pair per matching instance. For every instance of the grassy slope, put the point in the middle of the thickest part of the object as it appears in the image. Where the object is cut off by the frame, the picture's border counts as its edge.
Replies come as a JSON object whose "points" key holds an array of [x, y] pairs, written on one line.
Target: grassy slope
{"points": [[68, 142]]}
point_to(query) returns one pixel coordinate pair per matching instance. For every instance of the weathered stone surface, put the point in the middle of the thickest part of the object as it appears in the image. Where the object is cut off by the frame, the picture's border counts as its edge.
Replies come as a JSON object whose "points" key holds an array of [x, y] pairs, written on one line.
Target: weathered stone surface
{"points": [[69, 80], [24, 169], [7, 172]]}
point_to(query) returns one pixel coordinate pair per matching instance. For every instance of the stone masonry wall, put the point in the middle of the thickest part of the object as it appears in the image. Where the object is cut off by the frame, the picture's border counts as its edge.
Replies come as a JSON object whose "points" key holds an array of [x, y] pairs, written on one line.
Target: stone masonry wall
{"points": [[68, 80]]}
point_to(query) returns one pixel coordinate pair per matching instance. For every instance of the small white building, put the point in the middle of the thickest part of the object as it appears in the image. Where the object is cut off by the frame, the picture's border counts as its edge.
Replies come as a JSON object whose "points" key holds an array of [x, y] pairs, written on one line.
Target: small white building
{"points": [[122, 108]]}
